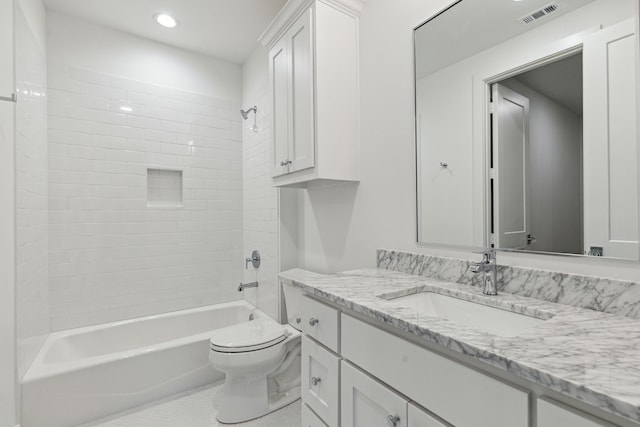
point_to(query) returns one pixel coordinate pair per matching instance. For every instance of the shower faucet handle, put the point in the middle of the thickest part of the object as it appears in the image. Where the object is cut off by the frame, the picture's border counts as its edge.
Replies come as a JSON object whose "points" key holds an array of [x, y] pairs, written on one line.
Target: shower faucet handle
{"points": [[254, 259]]}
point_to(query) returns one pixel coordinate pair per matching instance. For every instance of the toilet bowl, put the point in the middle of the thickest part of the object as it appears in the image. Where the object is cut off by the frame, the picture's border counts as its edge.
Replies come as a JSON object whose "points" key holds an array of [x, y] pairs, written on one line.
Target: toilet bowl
{"points": [[261, 362]]}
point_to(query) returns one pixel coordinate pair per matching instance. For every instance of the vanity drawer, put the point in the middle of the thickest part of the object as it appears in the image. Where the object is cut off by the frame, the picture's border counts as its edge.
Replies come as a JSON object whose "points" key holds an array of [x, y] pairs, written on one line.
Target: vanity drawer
{"points": [[320, 322], [552, 414], [368, 403], [320, 381], [309, 419], [435, 382]]}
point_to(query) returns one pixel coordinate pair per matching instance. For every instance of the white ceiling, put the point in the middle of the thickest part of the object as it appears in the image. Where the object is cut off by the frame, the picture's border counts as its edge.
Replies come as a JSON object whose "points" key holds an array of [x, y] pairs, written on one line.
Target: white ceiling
{"points": [[560, 81], [470, 27], [225, 29]]}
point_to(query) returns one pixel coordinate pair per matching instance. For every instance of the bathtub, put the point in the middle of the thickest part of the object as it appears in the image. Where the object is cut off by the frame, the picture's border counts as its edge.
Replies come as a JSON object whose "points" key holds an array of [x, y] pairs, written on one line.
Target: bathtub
{"points": [[89, 373]]}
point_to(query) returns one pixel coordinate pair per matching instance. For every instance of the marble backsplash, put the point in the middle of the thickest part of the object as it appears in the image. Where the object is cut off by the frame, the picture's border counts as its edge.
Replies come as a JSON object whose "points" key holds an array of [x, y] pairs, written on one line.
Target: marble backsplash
{"points": [[610, 296]]}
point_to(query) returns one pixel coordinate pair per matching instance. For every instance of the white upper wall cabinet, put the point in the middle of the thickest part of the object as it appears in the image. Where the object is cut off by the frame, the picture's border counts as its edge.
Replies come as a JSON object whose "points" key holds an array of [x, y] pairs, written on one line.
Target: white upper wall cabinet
{"points": [[313, 66]]}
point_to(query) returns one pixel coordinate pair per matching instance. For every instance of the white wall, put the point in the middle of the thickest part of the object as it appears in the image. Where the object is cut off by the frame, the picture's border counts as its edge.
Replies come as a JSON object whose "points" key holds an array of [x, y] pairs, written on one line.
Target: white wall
{"points": [[260, 213], [111, 255], [8, 392], [98, 48], [344, 225], [32, 292]]}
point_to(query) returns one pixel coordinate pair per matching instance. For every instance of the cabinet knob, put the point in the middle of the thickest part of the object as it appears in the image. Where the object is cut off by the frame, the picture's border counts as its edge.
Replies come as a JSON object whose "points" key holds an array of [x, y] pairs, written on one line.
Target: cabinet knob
{"points": [[315, 380], [285, 162], [313, 321], [393, 420]]}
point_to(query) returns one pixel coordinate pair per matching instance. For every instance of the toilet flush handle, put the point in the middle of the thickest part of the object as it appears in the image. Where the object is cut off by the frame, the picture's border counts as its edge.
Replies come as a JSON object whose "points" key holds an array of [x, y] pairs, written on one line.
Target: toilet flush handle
{"points": [[313, 321]]}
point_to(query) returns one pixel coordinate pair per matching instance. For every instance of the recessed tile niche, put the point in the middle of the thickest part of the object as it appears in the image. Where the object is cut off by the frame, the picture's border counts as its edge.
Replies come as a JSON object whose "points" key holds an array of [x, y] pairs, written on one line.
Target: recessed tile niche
{"points": [[164, 188]]}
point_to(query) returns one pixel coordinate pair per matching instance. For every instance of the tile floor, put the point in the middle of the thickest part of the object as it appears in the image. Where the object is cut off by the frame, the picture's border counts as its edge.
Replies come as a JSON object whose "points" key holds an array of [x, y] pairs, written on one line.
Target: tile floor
{"points": [[196, 408]]}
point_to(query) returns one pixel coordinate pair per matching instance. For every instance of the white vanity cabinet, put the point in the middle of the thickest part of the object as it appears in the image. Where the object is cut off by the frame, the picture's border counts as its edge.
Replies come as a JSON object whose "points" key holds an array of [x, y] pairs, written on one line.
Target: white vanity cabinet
{"points": [[554, 414], [366, 402], [320, 378], [435, 382], [309, 418], [313, 69]]}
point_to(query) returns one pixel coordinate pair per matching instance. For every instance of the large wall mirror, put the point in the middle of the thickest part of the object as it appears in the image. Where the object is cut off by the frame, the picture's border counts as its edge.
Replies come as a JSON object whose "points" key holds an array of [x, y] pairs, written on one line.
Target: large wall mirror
{"points": [[526, 126]]}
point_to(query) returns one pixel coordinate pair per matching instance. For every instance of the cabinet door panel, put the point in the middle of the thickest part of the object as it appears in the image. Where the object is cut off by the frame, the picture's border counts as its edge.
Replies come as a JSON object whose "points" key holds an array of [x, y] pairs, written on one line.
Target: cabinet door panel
{"points": [[419, 418], [435, 382], [301, 145], [278, 67], [320, 380], [367, 403], [555, 414], [309, 419]]}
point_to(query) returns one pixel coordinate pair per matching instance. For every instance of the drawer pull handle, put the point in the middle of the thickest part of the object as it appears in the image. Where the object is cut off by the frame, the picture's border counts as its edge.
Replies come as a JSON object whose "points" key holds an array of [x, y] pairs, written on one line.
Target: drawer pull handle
{"points": [[313, 321], [286, 162], [315, 380], [393, 420]]}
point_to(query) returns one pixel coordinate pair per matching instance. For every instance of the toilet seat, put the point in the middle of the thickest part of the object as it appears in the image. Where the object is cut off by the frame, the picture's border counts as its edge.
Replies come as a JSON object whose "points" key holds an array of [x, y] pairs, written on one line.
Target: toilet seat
{"points": [[248, 336]]}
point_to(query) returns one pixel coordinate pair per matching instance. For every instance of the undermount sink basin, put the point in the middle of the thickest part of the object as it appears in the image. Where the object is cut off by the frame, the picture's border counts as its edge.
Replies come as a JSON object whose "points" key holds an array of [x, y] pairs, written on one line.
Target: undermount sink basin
{"points": [[493, 320]]}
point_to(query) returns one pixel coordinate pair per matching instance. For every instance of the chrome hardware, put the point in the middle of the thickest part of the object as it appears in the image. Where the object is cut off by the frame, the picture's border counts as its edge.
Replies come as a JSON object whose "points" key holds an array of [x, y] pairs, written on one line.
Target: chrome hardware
{"points": [[12, 98], [286, 162], [487, 265], [444, 165], [315, 380], [247, 285], [254, 260], [393, 420], [251, 317], [530, 239], [313, 321], [298, 320]]}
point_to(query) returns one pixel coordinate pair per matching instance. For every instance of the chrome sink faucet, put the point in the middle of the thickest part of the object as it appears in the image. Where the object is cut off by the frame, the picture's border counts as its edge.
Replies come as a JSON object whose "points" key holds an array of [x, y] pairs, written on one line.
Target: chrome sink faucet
{"points": [[487, 267]]}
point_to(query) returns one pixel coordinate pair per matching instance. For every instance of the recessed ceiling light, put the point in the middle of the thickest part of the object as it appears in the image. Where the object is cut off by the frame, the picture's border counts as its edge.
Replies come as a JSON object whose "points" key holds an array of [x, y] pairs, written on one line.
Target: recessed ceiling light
{"points": [[166, 20]]}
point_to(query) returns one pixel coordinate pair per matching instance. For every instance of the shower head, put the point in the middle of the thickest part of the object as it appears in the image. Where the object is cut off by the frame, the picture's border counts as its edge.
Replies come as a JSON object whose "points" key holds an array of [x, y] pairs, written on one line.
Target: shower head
{"points": [[245, 114]]}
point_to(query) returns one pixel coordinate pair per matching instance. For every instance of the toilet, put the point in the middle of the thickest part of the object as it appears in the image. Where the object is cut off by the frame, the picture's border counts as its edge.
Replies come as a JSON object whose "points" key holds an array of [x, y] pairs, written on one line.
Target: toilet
{"points": [[260, 359]]}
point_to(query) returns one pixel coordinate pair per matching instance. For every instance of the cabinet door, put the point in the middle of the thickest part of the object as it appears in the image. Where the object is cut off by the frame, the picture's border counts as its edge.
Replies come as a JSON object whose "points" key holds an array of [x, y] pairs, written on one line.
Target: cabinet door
{"points": [[279, 75], [309, 419], [320, 381], [302, 140], [419, 418], [555, 414], [367, 403]]}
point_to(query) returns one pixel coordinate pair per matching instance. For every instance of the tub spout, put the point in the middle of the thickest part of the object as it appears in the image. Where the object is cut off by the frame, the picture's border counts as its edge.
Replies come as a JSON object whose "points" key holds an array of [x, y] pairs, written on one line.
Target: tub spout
{"points": [[247, 285]]}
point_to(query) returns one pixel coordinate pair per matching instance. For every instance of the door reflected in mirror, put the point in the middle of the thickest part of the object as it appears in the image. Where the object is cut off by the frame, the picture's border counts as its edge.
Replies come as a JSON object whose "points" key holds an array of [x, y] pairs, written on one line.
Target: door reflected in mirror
{"points": [[526, 132]]}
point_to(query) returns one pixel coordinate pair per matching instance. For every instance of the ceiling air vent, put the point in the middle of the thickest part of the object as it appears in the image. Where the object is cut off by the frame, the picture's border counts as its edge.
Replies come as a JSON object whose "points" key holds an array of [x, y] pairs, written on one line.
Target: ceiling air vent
{"points": [[541, 13]]}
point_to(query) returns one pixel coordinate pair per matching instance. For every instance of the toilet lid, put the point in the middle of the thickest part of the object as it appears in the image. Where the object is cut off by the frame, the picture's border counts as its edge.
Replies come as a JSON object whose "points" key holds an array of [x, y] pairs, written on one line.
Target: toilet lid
{"points": [[247, 336]]}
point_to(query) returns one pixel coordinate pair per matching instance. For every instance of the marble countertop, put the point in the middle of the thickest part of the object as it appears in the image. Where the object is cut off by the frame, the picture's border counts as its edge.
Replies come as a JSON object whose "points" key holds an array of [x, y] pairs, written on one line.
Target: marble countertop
{"points": [[587, 355]]}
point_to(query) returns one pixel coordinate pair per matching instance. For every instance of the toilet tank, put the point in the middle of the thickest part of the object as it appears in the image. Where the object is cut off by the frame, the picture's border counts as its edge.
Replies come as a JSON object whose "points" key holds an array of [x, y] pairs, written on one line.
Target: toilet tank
{"points": [[293, 295]]}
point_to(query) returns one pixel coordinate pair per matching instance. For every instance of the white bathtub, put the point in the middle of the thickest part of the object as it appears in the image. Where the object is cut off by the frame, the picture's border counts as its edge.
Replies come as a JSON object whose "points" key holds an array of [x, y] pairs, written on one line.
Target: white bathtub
{"points": [[89, 373]]}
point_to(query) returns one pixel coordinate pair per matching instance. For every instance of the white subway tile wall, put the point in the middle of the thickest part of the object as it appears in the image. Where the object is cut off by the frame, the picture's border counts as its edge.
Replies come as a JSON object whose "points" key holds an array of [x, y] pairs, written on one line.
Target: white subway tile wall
{"points": [[111, 255], [31, 195], [260, 197]]}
